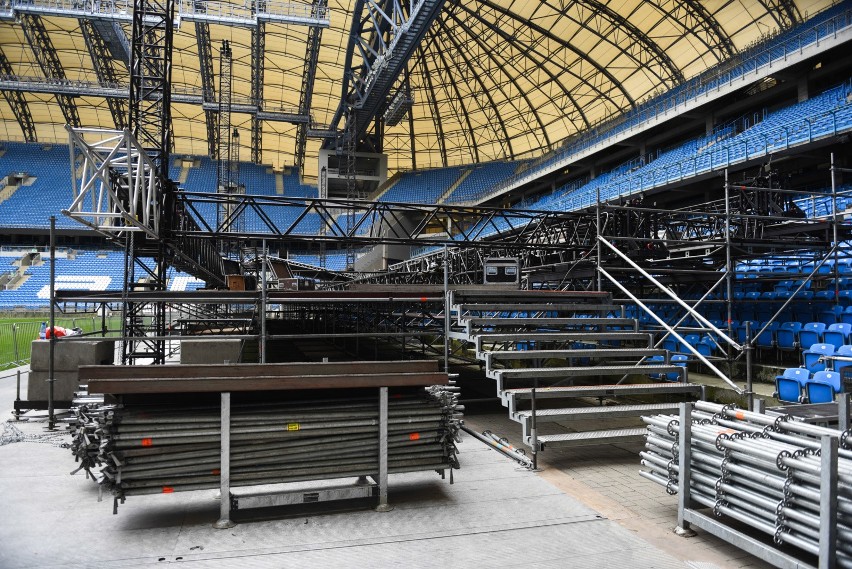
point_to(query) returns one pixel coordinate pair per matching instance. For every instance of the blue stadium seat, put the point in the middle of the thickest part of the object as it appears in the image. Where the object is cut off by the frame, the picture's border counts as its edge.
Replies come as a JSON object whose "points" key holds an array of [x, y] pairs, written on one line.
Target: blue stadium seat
{"points": [[822, 387], [789, 385], [787, 336], [811, 334], [814, 358], [837, 334]]}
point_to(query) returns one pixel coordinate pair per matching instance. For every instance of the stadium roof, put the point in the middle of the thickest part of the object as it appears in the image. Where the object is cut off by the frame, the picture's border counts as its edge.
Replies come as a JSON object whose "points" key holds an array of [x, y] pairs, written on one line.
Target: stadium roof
{"points": [[492, 79]]}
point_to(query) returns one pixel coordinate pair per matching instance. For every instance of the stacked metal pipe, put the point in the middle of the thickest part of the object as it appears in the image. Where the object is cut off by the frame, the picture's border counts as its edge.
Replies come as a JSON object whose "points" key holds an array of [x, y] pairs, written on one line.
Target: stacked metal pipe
{"points": [[171, 448], [763, 471]]}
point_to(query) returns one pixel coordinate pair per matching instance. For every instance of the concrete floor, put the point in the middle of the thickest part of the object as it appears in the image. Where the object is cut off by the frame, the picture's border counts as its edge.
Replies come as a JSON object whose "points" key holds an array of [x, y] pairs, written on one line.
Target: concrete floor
{"points": [[588, 508]]}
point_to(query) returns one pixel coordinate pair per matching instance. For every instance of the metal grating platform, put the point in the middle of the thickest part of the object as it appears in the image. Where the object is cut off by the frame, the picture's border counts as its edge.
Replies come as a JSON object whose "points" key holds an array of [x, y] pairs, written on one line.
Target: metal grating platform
{"points": [[545, 415], [587, 371], [605, 390], [592, 437]]}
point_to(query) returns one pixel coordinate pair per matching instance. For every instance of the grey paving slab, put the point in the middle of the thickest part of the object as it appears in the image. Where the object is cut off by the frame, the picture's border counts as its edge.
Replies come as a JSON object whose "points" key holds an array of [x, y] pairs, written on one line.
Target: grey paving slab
{"points": [[494, 515]]}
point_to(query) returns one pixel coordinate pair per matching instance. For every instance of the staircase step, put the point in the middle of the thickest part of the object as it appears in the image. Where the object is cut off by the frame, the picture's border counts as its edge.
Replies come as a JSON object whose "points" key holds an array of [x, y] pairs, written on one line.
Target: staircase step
{"points": [[586, 337], [604, 390], [549, 415], [470, 295], [565, 354], [585, 371], [536, 307], [547, 321], [587, 438]]}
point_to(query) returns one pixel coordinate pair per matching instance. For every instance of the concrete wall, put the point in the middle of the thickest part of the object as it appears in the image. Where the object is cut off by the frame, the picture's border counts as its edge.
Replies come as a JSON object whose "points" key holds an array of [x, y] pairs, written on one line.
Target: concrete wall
{"points": [[68, 357], [210, 351]]}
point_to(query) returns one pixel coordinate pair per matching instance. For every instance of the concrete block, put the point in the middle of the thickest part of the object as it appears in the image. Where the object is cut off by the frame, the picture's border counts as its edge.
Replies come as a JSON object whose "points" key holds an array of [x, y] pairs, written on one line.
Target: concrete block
{"points": [[70, 355], [210, 351], [63, 388]]}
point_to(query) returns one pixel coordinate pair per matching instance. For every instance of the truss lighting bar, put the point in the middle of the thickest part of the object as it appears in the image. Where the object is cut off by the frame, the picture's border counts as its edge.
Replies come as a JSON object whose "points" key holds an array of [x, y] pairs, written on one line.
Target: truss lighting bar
{"points": [[121, 91], [398, 108], [236, 15]]}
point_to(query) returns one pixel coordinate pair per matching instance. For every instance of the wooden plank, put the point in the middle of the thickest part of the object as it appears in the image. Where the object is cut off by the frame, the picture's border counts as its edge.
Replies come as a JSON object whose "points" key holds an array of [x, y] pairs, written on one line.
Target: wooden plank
{"points": [[122, 386], [88, 373]]}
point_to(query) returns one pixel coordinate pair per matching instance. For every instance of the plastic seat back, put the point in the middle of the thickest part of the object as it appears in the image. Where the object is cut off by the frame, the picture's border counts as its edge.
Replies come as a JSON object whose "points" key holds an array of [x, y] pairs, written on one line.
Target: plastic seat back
{"points": [[787, 336], [811, 334], [837, 334], [789, 385], [814, 358], [822, 387]]}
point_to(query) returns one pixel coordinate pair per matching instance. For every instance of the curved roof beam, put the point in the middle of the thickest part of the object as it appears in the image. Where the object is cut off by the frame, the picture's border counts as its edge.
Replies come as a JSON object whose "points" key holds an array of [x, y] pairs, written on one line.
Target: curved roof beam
{"points": [[490, 52], [473, 145], [18, 103], [485, 89], [641, 43], [567, 45], [696, 19], [545, 58], [433, 102], [47, 58], [784, 12]]}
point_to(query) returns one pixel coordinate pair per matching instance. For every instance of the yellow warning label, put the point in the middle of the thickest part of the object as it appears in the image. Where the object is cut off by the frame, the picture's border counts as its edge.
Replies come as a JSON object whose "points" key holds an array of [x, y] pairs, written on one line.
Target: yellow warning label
{"points": [[293, 426]]}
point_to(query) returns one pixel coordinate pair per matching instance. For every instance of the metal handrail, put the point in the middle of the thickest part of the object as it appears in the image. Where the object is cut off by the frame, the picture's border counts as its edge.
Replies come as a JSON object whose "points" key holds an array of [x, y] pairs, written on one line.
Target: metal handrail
{"points": [[697, 315], [672, 331]]}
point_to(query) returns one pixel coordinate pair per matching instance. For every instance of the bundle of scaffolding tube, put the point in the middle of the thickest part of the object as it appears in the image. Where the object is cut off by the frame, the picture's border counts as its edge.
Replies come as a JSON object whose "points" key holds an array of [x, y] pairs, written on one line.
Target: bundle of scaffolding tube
{"points": [[761, 470], [165, 448]]}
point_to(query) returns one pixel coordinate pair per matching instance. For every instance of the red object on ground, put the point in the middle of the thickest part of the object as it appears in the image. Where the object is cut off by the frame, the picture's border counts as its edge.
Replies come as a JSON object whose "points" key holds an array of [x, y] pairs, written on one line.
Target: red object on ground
{"points": [[60, 331]]}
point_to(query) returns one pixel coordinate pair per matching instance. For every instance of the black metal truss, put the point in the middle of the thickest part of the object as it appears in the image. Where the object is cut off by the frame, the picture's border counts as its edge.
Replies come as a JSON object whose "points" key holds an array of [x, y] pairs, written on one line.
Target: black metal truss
{"points": [[48, 60], [223, 171], [150, 79], [367, 80], [324, 220], [104, 69], [308, 75], [208, 85], [189, 97], [258, 50], [695, 19], [18, 102]]}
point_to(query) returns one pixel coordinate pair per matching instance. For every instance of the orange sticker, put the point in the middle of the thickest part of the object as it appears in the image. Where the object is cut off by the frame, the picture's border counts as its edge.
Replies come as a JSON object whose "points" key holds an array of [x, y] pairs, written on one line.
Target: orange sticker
{"points": [[424, 299], [168, 490], [147, 442], [414, 437], [739, 415], [215, 472]]}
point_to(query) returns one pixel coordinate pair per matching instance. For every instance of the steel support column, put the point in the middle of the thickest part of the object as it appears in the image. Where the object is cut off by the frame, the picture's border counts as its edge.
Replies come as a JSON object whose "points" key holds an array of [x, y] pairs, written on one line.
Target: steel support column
{"points": [[208, 87], [258, 49]]}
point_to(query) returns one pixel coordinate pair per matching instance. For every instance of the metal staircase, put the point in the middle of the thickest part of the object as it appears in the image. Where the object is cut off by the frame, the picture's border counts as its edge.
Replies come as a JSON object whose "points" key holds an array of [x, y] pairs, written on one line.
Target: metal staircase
{"points": [[558, 357]]}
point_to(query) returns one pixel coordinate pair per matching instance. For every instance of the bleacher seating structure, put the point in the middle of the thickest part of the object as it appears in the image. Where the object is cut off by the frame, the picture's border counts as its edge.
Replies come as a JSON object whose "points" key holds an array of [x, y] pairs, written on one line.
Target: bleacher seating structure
{"points": [[88, 270]]}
